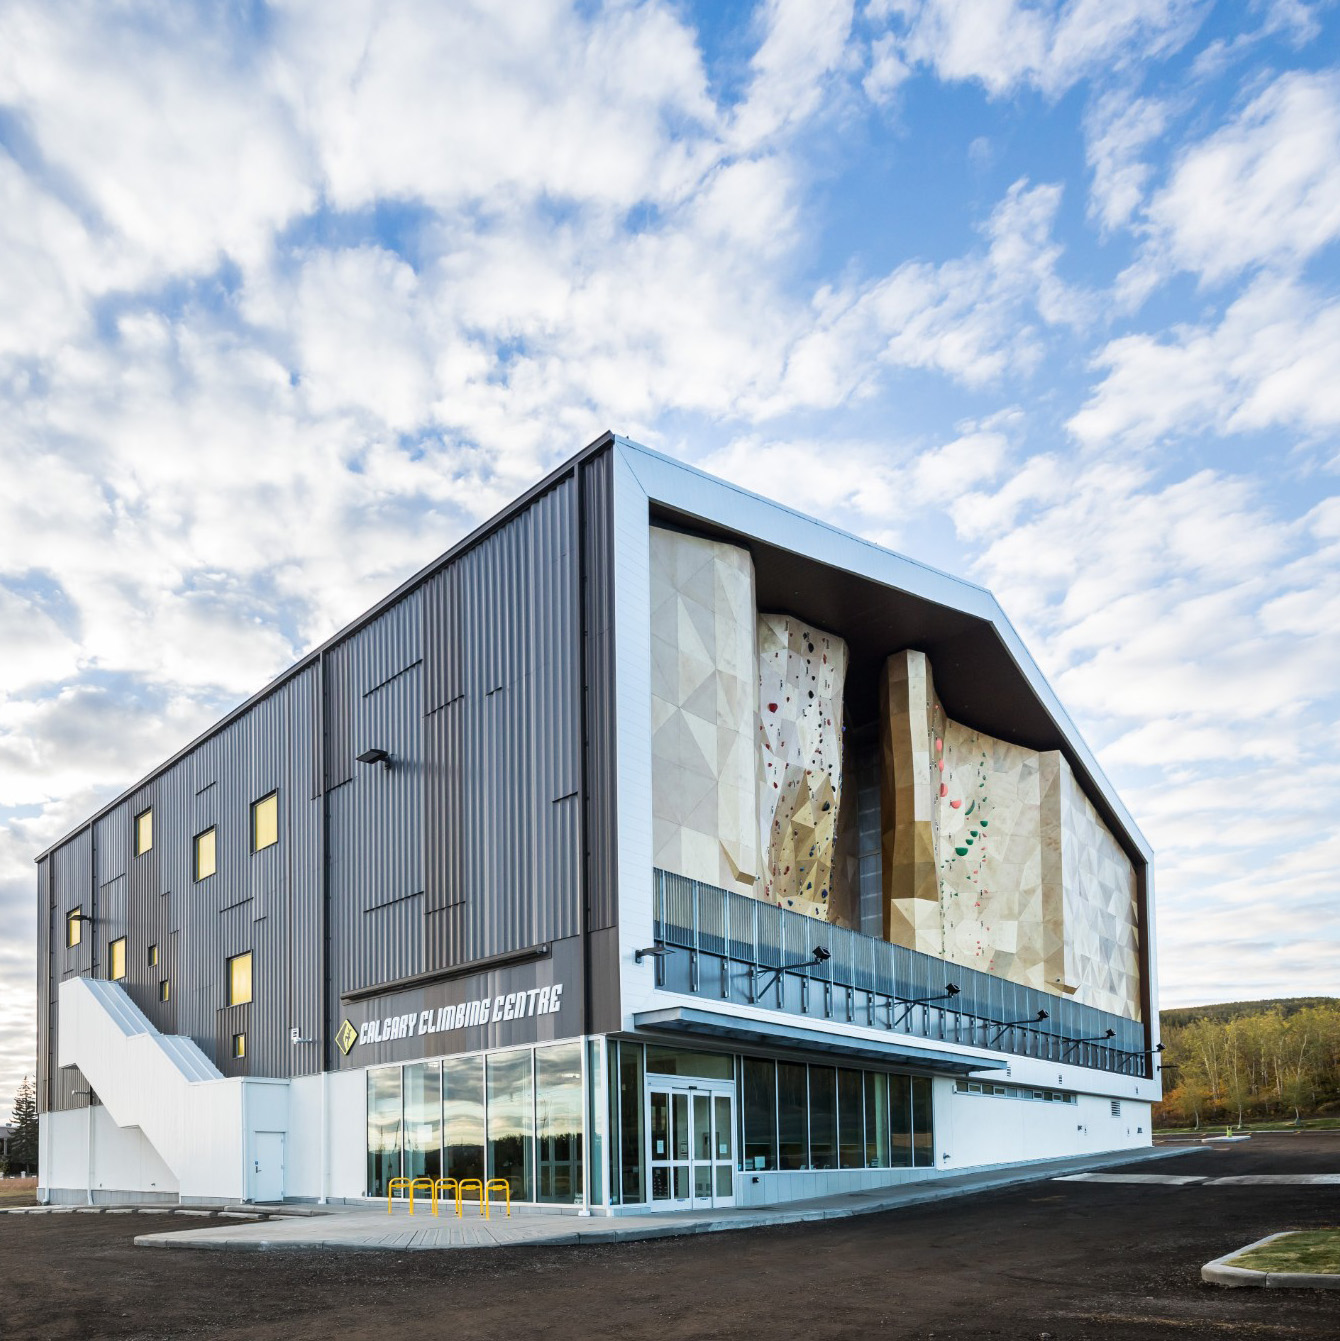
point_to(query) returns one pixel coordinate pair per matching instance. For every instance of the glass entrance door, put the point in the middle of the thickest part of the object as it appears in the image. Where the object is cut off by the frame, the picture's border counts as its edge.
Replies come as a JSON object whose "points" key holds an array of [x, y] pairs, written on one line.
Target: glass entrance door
{"points": [[691, 1140]]}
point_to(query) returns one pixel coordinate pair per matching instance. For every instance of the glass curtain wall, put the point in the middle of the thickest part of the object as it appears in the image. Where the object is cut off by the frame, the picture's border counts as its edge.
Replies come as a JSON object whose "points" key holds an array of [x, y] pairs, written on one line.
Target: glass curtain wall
{"points": [[463, 1117], [792, 1116], [632, 1133], [819, 1117], [511, 1130], [823, 1117], [423, 1120], [923, 1134], [383, 1129], [900, 1110], [558, 1122]]}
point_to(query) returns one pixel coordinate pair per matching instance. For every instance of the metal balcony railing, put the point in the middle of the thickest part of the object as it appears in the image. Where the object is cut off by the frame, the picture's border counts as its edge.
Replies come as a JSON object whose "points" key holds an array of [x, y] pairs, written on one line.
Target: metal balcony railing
{"points": [[729, 947]]}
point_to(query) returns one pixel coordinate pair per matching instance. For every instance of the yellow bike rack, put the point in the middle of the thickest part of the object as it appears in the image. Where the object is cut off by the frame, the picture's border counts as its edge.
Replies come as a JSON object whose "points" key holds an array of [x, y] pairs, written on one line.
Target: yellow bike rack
{"points": [[468, 1185], [494, 1185], [395, 1185], [439, 1189], [432, 1192]]}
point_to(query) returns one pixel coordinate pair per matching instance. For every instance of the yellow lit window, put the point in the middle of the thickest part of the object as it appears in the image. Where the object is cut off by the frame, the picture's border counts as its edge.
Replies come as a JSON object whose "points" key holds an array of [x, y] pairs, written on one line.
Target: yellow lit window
{"points": [[116, 958], [74, 928], [153, 955], [144, 832], [265, 822], [164, 990], [206, 855], [239, 979], [239, 1045]]}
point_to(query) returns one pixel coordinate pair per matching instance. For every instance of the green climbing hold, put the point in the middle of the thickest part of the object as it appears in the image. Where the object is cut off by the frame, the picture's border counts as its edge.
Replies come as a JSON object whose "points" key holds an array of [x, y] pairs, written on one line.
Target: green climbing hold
{"points": [[962, 851]]}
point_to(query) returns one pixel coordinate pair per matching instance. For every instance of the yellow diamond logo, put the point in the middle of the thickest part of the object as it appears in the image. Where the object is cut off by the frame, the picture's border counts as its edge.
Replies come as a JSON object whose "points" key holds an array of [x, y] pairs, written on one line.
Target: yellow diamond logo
{"points": [[346, 1038]]}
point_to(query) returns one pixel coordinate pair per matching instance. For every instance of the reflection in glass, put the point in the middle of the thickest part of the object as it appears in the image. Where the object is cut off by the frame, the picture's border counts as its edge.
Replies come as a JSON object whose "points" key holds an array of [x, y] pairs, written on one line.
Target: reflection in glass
{"points": [[558, 1121], [463, 1116], [679, 1133], [900, 1113], [423, 1120], [851, 1125], [792, 1101], [511, 1119], [702, 1127], [630, 1122], [383, 1129], [923, 1132], [876, 1120], [678, 1062], [723, 1129], [760, 1114], [823, 1117]]}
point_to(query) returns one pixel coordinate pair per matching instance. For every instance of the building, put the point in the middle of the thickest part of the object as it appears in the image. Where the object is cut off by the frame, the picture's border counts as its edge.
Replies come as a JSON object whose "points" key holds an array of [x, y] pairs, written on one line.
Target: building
{"points": [[656, 846]]}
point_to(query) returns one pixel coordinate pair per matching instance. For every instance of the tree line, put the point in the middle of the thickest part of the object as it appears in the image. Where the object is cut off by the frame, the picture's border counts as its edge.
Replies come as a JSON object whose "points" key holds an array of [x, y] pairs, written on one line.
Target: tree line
{"points": [[1280, 1061]]}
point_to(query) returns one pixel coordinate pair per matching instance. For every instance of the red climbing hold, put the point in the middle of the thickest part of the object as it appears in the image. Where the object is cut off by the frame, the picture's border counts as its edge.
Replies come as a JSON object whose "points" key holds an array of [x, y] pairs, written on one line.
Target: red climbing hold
{"points": [[772, 707]]}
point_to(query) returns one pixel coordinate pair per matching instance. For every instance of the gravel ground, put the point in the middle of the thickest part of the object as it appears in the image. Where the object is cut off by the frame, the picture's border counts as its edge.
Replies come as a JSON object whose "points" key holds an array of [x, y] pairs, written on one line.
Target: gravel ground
{"points": [[1052, 1261]]}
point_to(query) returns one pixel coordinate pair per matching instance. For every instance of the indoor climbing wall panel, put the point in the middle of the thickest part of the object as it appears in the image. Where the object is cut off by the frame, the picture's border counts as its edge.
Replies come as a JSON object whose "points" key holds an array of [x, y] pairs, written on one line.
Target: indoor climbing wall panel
{"points": [[1102, 947], [704, 693], [996, 859], [909, 783], [801, 672]]}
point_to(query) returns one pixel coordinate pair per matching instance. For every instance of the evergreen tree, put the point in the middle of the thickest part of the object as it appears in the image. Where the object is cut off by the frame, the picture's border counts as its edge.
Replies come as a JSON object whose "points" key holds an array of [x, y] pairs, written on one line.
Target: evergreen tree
{"points": [[23, 1130]]}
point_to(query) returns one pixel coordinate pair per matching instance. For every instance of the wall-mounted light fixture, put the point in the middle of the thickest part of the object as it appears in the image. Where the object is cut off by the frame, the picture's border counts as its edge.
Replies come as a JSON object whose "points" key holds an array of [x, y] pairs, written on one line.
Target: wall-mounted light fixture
{"points": [[375, 756], [1010, 1024], [949, 993], [657, 951], [1097, 1038], [817, 956]]}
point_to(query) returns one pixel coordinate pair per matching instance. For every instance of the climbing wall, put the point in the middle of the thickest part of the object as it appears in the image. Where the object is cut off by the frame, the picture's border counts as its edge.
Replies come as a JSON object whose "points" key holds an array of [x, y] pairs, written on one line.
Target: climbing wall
{"points": [[995, 858], [703, 704], [801, 672]]}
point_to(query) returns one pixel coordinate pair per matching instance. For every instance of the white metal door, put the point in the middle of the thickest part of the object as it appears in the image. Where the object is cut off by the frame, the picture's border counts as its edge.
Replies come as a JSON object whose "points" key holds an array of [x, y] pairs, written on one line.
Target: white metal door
{"points": [[267, 1174]]}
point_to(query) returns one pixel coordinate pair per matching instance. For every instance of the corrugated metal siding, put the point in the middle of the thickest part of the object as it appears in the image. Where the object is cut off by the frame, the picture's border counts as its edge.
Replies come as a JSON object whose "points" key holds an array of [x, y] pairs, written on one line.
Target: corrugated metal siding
{"points": [[503, 763], [469, 846], [598, 656]]}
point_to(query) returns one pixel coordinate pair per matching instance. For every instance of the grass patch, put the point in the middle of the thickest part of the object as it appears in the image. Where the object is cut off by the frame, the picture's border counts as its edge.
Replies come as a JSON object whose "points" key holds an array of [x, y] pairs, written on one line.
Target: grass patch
{"points": [[1312, 1250], [18, 1192], [1275, 1124]]}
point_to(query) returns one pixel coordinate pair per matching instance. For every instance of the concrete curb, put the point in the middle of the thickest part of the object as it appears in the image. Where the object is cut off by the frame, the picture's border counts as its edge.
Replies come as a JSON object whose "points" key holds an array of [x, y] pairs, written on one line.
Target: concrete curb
{"points": [[1220, 1272], [630, 1229]]}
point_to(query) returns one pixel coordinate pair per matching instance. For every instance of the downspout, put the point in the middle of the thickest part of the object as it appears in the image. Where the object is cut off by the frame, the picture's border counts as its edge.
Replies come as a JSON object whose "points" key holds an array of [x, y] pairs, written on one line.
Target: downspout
{"points": [[584, 881], [93, 965], [325, 928]]}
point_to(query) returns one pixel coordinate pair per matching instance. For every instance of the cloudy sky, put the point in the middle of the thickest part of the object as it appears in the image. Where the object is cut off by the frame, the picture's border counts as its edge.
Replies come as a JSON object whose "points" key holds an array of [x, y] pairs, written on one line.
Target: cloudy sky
{"points": [[293, 294]]}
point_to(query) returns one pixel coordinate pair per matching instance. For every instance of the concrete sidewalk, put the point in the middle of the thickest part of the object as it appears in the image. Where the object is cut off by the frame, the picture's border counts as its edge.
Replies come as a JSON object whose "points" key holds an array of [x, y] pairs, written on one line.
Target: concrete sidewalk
{"points": [[364, 1229]]}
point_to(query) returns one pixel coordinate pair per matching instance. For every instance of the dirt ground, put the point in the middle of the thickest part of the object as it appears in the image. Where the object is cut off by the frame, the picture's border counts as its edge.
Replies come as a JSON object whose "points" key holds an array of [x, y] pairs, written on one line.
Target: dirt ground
{"points": [[1052, 1261]]}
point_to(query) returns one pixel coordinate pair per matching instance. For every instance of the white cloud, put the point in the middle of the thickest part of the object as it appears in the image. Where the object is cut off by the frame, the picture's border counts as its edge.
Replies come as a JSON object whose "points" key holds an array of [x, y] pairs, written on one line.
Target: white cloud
{"points": [[1262, 190], [1269, 362], [1006, 44], [1119, 126]]}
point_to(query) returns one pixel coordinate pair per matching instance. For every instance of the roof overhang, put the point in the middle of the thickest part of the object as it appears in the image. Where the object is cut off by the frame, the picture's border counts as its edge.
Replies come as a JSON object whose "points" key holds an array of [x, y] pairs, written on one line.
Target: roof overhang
{"points": [[691, 1022]]}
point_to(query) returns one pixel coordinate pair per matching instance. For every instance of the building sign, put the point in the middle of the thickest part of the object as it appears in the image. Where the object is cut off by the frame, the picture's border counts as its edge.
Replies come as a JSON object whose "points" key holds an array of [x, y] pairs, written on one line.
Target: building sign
{"points": [[466, 1015]]}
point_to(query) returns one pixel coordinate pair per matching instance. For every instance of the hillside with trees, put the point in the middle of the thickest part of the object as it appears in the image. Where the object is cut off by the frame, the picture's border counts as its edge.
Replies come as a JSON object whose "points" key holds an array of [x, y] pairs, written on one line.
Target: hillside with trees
{"points": [[1251, 1061]]}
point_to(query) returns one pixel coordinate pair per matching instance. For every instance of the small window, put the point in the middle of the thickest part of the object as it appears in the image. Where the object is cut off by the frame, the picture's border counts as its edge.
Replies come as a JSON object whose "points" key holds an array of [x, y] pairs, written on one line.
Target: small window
{"points": [[239, 979], [144, 832], [206, 855], [153, 955], [974, 1087], [1116, 1107], [239, 1045], [74, 927], [116, 958], [265, 822], [165, 990]]}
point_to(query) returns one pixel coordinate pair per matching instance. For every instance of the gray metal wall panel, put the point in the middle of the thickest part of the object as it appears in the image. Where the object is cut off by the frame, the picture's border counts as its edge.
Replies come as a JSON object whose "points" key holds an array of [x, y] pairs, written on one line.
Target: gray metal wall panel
{"points": [[598, 668], [480, 812], [504, 761]]}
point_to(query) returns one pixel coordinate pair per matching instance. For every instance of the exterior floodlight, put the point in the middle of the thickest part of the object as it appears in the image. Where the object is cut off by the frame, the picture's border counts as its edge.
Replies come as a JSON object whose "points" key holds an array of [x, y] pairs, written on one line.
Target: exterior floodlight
{"points": [[657, 951], [1010, 1024], [1097, 1038], [818, 956], [949, 993], [375, 757]]}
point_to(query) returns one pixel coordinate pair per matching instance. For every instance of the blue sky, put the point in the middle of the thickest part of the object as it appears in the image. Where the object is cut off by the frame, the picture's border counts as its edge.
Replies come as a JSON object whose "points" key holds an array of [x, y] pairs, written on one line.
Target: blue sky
{"points": [[1044, 294]]}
